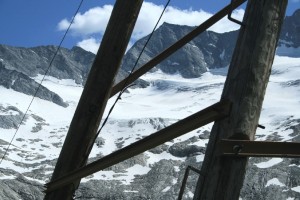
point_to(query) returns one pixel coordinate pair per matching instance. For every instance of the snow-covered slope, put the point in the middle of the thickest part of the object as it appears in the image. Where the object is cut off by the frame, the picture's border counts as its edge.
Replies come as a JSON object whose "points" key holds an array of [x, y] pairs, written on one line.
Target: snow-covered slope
{"points": [[141, 112], [169, 93]]}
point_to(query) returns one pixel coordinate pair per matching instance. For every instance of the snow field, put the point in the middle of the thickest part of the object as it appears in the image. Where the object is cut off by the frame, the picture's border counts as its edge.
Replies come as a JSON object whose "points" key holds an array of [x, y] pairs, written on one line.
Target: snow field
{"points": [[280, 106]]}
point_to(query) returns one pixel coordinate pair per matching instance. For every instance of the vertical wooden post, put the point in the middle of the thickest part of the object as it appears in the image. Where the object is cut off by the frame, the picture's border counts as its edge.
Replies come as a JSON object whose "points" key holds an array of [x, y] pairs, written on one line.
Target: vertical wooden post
{"points": [[245, 87], [84, 125]]}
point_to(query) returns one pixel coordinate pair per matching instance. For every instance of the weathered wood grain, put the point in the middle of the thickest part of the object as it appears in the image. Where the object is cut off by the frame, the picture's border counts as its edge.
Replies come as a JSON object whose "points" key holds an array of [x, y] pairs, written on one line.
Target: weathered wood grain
{"points": [[88, 114], [245, 87]]}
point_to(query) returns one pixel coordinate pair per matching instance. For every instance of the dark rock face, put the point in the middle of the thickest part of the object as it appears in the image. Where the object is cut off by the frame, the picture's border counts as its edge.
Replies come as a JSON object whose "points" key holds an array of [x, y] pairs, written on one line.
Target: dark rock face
{"points": [[72, 63], [19, 188], [11, 118], [121, 167], [156, 123], [159, 149], [185, 149], [257, 185], [208, 50], [290, 31], [289, 41], [22, 83], [68, 64]]}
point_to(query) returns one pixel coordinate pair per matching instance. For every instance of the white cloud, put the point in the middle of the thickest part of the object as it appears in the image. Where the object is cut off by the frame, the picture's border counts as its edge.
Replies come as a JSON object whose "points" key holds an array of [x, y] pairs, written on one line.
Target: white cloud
{"points": [[92, 21], [150, 13], [95, 21], [90, 44], [224, 25]]}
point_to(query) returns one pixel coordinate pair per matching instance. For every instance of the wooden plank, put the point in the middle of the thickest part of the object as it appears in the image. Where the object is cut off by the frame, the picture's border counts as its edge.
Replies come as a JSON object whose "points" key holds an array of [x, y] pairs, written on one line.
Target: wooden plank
{"points": [[210, 114], [244, 148], [173, 48], [85, 122], [245, 87]]}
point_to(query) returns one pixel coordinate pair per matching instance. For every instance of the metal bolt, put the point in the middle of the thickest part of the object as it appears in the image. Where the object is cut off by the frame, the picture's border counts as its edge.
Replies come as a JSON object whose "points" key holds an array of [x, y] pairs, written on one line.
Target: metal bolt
{"points": [[237, 148]]}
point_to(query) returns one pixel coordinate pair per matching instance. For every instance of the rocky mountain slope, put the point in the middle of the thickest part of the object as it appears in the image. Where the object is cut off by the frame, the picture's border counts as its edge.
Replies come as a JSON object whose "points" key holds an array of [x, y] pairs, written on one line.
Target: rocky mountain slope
{"points": [[22, 68], [207, 51], [290, 30], [183, 84]]}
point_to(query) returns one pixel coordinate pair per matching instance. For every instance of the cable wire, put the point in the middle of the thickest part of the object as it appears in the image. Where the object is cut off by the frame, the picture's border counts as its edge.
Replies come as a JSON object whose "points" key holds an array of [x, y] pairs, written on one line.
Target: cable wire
{"points": [[133, 68], [40, 84]]}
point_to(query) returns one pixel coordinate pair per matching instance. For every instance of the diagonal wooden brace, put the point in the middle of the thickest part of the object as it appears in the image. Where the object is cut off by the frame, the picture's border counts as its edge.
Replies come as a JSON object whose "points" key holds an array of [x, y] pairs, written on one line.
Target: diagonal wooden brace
{"points": [[212, 113]]}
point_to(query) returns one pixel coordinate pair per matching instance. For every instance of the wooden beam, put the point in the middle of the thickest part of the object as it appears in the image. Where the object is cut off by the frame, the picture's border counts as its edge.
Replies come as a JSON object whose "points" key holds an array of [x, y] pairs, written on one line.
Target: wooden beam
{"points": [[210, 114], [245, 87], [244, 148], [85, 122], [173, 48]]}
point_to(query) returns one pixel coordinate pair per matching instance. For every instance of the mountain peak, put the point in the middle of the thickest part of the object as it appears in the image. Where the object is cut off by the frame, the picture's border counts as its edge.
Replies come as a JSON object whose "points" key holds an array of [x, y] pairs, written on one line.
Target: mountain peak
{"points": [[296, 14], [205, 51], [167, 24], [290, 31]]}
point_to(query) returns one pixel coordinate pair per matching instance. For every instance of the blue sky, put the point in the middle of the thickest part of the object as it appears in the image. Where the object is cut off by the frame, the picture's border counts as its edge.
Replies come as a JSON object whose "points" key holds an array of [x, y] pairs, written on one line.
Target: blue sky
{"points": [[40, 22]]}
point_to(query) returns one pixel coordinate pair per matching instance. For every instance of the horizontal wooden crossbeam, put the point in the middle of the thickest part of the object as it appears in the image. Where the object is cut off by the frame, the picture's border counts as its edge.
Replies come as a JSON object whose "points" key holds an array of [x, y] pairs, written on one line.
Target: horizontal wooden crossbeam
{"points": [[246, 148], [215, 112]]}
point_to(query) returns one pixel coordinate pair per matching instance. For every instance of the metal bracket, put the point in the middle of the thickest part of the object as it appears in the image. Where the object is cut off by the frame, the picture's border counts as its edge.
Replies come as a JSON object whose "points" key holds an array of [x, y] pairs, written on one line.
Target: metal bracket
{"points": [[186, 174], [232, 19], [260, 126], [247, 148]]}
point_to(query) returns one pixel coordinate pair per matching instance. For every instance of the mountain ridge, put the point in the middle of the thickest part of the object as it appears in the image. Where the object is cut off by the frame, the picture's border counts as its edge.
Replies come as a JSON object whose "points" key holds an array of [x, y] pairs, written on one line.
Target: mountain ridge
{"points": [[168, 97]]}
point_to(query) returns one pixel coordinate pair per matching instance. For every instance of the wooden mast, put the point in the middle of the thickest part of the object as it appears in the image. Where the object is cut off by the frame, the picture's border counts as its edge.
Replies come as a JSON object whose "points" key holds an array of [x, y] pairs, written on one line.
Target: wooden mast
{"points": [[245, 87], [85, 123]]}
